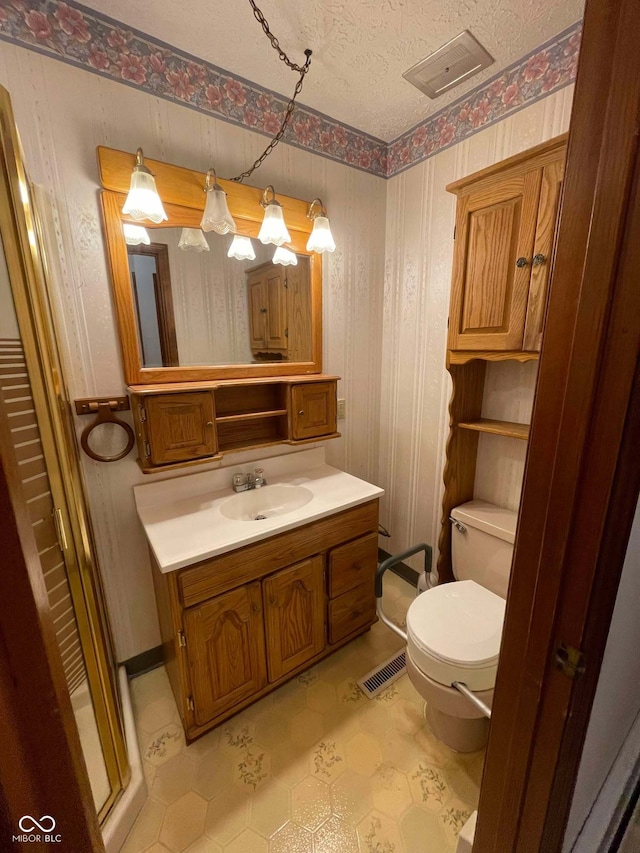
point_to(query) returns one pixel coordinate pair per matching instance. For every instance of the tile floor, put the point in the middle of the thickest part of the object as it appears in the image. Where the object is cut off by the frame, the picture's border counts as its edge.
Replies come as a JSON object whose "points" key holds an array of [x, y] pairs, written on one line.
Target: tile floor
{"points": [[316, 767]]}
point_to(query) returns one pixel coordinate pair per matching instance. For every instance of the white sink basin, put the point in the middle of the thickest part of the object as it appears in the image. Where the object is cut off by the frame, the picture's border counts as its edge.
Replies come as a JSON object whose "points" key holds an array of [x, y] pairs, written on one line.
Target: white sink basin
{"points": [[258, 504]]}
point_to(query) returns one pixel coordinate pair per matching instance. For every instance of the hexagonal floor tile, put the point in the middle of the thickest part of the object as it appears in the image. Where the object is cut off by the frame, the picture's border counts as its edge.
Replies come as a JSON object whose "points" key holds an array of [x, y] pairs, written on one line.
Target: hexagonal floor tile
{"points": [[310, 803], [307, 727], [453, 817], [321, 697], [428, 786], [408, 717], [423, 831], [391, 793], [363, 754], [183, 822], [270, 808], [376, 831], [146, 828], [213, 775], [248, 842], [335, 836], [173, 779], [375, 719], [158, 714], [461, 783], [292, 838], [203, 845], [252, 769], [164, 744], [327, 760], [434, 751], [351, 797], [399, 749], [273, 729], [227, 815], [237, 734], [349, 693]]}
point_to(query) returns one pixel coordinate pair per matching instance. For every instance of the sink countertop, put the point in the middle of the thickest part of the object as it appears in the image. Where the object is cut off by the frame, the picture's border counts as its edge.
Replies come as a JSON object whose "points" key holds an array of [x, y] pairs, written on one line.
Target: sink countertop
{"points": [[185, 528]]}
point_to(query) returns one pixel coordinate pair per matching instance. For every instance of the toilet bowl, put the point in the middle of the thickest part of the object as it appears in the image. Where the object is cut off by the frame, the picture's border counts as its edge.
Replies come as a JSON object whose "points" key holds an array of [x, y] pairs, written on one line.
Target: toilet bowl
{"points": [[454, 630]]}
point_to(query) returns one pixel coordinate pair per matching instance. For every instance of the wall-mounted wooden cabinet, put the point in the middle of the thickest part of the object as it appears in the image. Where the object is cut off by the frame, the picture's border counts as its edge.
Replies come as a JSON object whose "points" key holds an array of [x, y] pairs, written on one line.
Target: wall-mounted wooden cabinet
{"points": [[505, 231], [185, 424], [237, 626], [505, 228]]}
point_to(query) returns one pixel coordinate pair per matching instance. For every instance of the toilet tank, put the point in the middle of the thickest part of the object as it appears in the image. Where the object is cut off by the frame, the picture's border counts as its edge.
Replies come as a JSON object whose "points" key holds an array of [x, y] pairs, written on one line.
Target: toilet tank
{"points": [[482, 546]]}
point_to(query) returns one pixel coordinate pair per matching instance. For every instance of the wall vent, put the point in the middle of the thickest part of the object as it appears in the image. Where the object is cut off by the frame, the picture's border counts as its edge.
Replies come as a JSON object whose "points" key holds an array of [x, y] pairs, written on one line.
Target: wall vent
{"points": [[450, 65]]}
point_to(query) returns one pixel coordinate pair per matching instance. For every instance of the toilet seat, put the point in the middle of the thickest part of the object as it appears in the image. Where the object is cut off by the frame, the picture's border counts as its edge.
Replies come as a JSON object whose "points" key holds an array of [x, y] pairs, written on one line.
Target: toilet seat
{"points": [[454, 632]]}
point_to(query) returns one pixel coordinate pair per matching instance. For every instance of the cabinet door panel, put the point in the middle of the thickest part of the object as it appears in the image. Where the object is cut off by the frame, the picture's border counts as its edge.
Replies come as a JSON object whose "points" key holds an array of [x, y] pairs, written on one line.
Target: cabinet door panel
{"points": [[351, 612], [277, 312], [181, 426], [313, 408], [257, 314], [294, 604], [225, 650], [495, 226], [543, 253]]}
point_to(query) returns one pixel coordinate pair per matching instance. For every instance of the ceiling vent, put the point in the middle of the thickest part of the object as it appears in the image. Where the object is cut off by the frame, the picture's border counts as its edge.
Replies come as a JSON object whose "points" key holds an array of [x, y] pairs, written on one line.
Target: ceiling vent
{"points": [[450, 65]]}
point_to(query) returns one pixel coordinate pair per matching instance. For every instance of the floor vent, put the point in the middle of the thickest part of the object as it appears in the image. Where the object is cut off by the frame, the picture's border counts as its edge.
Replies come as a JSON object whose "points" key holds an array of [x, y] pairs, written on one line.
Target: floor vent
{"points": [[383, 675]]}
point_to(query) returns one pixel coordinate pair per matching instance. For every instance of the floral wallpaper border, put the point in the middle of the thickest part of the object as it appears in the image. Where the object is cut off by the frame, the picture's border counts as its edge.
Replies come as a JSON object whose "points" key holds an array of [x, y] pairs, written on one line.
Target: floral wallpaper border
{"points": [[87, 39]]}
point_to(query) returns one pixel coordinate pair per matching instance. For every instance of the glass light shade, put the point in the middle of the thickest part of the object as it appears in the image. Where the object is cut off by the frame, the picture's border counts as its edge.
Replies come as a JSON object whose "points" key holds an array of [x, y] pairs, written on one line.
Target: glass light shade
{"points": [[321, 239], [285, 256], [241, 249], [193, 240], [134, 235], [216, 213], [273, 228], [143, 201]]}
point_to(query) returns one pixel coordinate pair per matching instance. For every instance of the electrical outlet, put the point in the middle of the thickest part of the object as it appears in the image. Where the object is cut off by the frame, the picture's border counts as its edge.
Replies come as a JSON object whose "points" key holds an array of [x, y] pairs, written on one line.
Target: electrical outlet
{"points": [[341, 406]]}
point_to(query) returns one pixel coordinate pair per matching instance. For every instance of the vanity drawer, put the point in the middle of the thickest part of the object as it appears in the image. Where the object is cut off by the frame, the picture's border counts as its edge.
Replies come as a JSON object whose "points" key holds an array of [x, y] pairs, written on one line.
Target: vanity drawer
{"points": [[353, 564], [351, 611]]}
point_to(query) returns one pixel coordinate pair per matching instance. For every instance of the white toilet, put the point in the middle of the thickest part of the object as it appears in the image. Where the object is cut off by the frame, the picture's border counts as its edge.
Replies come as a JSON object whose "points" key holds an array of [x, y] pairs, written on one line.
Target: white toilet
{"points": [[454, 630]]}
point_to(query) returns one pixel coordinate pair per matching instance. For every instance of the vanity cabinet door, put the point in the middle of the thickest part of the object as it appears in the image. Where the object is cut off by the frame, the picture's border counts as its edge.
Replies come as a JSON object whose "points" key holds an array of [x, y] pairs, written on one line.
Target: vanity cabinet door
{"points": [[495, 232], [225, 650], [294, 606], [313, 409], [268, 316], [180, 426]]}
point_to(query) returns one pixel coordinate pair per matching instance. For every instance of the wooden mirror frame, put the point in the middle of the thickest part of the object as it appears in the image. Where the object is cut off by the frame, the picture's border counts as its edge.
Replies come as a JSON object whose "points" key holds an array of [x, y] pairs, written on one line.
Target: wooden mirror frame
{"points": [[181, 191]]}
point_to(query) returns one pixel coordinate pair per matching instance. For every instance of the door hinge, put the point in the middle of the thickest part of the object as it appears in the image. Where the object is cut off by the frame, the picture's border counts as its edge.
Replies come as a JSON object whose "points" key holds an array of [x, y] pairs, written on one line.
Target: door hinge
{"points": [[147, 449], [286, 333], [142, 413], [191, 706], [286, 282], [182, 640], [570, 660]]}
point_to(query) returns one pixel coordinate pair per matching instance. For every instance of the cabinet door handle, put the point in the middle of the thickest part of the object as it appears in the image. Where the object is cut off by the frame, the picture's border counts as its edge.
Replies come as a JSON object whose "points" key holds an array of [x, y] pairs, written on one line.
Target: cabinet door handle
{"points": [[256, 608], [538, 260], [209, 423], [301, 412], [522, 262]]}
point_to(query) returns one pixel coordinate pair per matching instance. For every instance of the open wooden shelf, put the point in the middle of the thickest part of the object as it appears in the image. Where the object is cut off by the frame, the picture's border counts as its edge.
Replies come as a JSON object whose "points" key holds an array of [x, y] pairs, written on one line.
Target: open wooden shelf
{"points": [[464, 357], [250, 416], [508, 428]]}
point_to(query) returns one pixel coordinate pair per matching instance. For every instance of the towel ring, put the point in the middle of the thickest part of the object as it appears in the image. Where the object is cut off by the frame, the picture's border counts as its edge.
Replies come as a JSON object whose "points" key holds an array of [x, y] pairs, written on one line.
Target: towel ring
{"points": [[105, 415]]}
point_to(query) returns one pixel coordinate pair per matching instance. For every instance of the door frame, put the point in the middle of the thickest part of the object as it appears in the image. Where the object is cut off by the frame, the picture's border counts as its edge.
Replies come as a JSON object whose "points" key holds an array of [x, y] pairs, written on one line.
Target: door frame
{"points": [[582, 478], [165, 315]]}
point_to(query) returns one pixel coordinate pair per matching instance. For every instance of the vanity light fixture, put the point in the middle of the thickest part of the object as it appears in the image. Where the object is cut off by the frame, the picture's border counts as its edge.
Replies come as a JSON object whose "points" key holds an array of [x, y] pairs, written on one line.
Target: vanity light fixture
{"points": [[134, 235], [321, 239], [216, 210], [241, 248], [193, 240], [143, 201], [285, 257], [273, 228]]}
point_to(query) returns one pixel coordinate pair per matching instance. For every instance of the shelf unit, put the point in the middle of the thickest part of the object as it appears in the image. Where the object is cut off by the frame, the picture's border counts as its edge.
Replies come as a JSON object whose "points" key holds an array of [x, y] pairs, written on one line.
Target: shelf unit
{"points": [[511, 429]]}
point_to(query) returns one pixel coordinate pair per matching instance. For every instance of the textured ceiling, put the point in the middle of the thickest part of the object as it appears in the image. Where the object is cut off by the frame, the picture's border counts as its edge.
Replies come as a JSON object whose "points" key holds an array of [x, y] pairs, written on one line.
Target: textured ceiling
{"points": [[360, 47]]}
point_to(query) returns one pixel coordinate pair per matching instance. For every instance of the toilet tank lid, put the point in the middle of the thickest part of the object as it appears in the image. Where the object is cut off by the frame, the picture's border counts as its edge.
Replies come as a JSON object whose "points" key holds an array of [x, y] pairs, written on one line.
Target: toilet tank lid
{"points": [[489, 518]]}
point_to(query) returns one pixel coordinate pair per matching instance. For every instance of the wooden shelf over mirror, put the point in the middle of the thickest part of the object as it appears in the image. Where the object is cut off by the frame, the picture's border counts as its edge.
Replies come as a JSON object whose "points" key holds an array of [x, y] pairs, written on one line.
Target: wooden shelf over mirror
{"points": [[175, 325]]}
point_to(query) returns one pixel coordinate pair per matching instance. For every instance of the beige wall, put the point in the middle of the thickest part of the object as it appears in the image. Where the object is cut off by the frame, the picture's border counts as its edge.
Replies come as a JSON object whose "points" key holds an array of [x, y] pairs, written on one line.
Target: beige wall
{"points": [[415, 386], [63, 114]]}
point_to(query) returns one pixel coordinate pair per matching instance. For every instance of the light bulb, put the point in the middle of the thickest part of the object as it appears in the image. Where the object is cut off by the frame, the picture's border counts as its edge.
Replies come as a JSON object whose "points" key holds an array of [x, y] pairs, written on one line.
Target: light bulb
{"points": [[321, 239], [285, 256], [134, 235], [143, 201], [193, 240], [241, 248], [216, 215]]}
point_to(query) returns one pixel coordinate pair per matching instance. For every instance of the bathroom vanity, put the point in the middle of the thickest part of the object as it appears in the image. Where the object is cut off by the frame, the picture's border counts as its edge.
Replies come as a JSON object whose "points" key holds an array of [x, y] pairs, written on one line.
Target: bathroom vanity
{"points": [[255, 587]]}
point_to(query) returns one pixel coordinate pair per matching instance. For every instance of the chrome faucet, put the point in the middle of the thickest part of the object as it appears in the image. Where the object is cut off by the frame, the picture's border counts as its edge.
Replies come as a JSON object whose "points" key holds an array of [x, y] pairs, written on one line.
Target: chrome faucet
{"points": [[243, 482]]}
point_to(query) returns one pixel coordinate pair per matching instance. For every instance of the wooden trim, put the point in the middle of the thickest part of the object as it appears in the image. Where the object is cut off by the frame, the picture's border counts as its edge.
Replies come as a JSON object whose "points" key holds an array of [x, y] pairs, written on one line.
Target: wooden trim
{"points": [[577, 497], [544, 153], [164, 300], [493, 427], [42, 769]]}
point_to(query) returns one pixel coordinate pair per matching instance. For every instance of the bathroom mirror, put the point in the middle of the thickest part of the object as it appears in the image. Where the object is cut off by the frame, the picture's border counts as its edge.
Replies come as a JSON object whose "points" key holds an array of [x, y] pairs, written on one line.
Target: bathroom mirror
{"points": [[187, 315]]}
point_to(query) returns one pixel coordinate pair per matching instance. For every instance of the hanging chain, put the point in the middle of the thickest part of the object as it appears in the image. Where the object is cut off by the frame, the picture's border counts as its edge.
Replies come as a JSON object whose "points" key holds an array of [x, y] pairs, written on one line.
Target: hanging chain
{"points": [[301, 69]]}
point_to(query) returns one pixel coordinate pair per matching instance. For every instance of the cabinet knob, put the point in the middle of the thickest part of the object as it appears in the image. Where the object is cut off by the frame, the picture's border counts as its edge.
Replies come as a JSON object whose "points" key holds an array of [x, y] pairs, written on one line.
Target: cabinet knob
{"points": [[256, 608], [538, 260], [263, 310], [209, 423], [357, 567], [522, 262], [273, 602], [301, 412]]}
